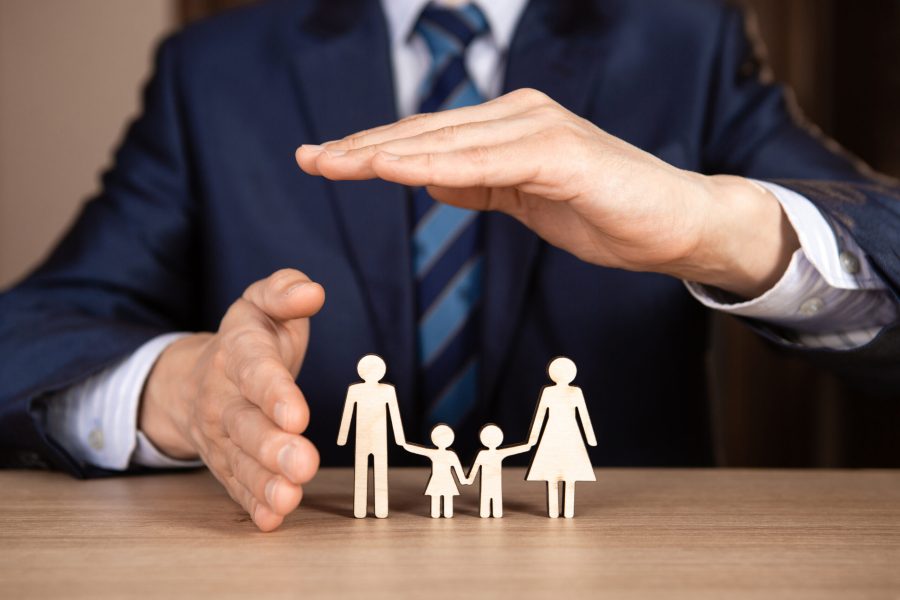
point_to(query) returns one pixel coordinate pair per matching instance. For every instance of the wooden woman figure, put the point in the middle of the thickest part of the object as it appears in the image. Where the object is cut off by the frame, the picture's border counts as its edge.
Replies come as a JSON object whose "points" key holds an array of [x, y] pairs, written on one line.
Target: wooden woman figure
{"points": [[441, 485], [561, 456]]}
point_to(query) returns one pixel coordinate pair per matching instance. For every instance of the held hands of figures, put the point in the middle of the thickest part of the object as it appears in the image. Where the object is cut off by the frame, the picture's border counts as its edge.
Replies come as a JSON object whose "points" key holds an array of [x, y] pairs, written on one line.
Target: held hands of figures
{"points": [[578, 187]]}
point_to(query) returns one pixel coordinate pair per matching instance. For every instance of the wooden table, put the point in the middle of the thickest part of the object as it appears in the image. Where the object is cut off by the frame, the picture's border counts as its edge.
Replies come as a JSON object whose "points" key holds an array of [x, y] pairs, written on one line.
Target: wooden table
{"points": [[636, 534]]}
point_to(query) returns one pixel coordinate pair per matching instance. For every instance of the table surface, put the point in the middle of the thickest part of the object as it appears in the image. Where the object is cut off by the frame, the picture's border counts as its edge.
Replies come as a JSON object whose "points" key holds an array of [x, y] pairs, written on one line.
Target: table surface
{"points": [[637, 533]]}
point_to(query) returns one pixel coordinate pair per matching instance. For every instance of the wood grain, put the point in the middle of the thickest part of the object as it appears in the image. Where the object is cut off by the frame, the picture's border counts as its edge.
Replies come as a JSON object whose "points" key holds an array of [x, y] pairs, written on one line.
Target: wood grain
{"points": [[637, 534]]}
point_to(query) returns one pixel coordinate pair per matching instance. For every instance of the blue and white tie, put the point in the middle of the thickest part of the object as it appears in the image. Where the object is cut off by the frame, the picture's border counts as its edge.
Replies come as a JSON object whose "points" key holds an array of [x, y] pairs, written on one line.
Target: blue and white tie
{"points": [[447, 258]]}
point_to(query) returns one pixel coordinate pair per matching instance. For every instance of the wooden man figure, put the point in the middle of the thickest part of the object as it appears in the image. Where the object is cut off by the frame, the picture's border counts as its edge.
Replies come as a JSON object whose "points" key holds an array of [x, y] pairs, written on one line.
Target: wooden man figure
{"points": [[561, 456], [490, 462], [372, 401]]}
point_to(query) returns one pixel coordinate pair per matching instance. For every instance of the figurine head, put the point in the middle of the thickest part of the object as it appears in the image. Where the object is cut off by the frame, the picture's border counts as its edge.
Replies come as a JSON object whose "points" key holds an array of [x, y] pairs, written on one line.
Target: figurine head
{"points": [[371, 368], [491, 436], [442, 436], [562, 370]]}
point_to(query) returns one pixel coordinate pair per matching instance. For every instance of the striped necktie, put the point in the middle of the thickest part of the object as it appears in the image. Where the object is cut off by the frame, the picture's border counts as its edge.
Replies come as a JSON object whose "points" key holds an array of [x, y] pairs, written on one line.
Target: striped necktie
{"points": [[447, 258]]}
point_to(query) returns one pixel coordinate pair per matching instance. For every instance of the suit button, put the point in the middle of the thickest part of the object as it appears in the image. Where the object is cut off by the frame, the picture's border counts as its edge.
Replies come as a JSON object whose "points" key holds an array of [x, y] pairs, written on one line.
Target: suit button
{"points": [[95, 439], [849, 262], [811, 307]]}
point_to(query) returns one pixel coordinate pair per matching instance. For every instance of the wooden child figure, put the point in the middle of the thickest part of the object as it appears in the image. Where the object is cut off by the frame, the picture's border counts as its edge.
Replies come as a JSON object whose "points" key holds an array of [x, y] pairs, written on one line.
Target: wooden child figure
{"points": [[490, 462], [441, 485]]}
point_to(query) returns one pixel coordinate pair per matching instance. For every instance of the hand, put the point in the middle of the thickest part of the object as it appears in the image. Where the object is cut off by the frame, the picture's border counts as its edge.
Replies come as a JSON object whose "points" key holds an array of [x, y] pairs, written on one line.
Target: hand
{"points": [[230, 397], [581, 189]]}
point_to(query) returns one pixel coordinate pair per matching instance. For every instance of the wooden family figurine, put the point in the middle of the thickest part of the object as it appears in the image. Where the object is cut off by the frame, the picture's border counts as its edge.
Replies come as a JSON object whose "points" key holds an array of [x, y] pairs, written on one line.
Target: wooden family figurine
{"points": [[560, 459], [373, 401], [561, 456], [441, 485], [490, 462]]}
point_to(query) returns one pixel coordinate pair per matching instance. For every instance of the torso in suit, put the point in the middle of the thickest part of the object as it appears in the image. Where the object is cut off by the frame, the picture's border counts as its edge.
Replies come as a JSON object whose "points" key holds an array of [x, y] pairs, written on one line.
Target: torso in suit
{"points": [[205, 198]]}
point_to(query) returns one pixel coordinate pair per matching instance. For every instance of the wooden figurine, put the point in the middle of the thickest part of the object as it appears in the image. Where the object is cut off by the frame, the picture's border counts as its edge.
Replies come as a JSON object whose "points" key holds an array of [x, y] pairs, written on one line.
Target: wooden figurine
{"points": [[490, 462], [372, 400], [441, 485], [561, 456]]}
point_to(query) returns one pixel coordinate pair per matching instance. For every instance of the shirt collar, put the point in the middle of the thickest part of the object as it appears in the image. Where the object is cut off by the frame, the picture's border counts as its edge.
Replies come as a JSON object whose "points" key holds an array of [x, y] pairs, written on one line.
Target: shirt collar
{"points": [[501, 15]]}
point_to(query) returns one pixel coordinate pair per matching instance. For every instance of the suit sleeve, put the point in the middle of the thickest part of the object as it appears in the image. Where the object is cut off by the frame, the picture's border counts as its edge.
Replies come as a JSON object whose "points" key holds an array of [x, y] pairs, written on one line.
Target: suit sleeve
{"points": [[754, 129], [121, 275]]}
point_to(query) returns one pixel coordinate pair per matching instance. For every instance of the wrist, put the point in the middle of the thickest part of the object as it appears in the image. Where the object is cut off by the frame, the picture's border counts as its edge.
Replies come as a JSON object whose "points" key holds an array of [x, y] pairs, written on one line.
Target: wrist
{"points": [[165, 401], [746, 242]]}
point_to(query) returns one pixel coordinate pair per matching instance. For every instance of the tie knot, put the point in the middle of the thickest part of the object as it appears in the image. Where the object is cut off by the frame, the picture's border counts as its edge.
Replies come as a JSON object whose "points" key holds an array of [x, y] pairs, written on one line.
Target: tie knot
{"points": [[449, 31]]}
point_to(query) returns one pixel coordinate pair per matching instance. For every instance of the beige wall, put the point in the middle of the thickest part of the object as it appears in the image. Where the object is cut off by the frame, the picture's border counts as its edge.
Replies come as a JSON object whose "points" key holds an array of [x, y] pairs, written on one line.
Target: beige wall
{"points": [[70, 77]]}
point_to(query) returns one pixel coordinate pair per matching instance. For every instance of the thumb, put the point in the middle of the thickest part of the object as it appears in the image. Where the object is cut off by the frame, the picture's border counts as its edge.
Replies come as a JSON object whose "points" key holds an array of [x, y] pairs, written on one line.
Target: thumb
{"points": [[286, 295]]}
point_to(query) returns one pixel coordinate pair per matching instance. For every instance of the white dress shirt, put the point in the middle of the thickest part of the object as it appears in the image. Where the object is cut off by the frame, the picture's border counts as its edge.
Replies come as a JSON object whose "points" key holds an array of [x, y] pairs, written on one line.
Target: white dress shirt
{"points": [[828, 297]]}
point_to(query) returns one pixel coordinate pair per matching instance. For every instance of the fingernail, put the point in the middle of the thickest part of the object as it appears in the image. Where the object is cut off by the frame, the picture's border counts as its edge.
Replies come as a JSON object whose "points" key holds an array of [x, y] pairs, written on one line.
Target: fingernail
{"points": [[270, 492], [281, 414], [334, 153], [290, 461], [256, 512], [312, 147], [389, 157], [295, 287]]}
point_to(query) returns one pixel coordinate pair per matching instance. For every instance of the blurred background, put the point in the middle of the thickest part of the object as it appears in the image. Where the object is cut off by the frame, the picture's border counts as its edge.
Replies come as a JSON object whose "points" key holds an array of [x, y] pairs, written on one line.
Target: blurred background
{"points": [[70, 77]]}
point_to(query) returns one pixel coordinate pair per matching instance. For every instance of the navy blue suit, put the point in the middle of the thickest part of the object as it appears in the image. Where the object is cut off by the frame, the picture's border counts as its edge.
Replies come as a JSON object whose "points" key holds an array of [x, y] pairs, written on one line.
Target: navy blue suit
{"points": [[205, 197]]}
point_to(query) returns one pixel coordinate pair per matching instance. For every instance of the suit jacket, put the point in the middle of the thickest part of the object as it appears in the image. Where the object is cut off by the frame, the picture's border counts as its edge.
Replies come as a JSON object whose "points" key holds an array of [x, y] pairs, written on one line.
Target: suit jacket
{"points": [[204, 198]]}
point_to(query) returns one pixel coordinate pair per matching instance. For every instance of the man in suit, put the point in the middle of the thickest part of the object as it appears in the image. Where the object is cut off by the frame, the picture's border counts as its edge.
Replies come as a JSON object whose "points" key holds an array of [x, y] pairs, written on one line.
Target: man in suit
{"points": [[169, 325]]}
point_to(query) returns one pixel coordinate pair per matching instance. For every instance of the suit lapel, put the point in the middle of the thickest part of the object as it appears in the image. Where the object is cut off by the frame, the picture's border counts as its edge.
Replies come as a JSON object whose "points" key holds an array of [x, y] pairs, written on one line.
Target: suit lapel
{"points": [[346, 84], [557, 49]]}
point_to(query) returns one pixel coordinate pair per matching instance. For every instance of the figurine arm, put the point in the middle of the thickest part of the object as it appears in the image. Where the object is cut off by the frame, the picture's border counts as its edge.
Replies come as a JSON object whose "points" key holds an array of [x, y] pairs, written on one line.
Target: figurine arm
{"points": [[537, 422], [460, 474], [473, 470], [581, 408], [417, 449], [349, 403], [517, 449], [396, 422]]}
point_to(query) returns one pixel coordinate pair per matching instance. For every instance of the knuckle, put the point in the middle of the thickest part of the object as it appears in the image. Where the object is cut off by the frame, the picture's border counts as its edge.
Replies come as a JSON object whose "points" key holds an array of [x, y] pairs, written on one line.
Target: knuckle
{"points": [[268, 448], [529, 95], [356, 142], [563, 131], [240, 342], [244, 372], [234, 463], [447, 133], [413, 122], [479, 155], [218, 359], [549, 112]]}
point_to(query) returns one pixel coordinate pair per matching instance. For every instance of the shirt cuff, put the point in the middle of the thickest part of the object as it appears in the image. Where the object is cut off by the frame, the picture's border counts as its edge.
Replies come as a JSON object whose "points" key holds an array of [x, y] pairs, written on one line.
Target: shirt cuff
{"points": [[96, 420], [829, 296]]}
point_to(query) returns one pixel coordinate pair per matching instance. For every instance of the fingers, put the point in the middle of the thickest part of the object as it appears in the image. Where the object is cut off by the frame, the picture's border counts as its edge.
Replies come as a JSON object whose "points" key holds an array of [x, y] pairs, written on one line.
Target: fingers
{"points": [[271, 489], [262, 357], [292, 456], [357, 163], [256, 366], [503, 165], [505, 106], [286, 295], [265, 518]]}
